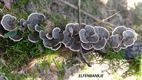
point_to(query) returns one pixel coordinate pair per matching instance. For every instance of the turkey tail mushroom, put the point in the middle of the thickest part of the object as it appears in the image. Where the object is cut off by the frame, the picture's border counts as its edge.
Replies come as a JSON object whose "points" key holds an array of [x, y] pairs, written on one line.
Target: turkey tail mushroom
{"points": [[17, 37], [35, 19], [34, 37], [122, 37], [9, 22], [129, 37], [71, 38], [22, 24]]}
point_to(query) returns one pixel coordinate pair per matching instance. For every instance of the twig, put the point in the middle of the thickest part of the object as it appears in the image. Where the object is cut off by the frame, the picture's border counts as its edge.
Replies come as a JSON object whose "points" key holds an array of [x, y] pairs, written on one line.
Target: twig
{"points": [[84, 12], [111, 16], [79, 1]]}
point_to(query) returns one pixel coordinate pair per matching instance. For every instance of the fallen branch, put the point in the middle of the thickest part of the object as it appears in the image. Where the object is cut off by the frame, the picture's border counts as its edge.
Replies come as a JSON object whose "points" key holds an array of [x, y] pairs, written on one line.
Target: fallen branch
{"points": [[111, 16]]}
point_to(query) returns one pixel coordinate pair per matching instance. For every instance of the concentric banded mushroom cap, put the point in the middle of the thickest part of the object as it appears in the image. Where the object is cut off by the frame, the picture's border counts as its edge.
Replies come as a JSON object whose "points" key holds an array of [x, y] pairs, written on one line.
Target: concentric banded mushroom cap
{"points": [[17, 37], [47, 43], [119, 30], [8, 22], [73, 28], [88, 35], [102, 32], [34, 38], [71, 36], [129, 37], [57, 34], [75, 46], [82, 36], [114, 41], [22, 24], [100, 44], [35, 18]]}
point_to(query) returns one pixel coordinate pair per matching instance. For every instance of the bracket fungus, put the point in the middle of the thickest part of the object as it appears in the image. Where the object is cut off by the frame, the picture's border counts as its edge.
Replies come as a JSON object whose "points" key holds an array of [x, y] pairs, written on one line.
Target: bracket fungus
{"points": [[129, 37], [8, 22], [35, 19], [76, 36], [93, 37], [22, 24], [122, 37], [17, 37], [103, 34], [55, 41], [71, 38], [88, 35], [33, 37]]}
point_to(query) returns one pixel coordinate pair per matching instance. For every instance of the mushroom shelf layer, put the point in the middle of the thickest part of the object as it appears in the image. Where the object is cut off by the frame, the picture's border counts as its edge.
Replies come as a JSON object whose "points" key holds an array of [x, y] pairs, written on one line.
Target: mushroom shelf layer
{"points": [[75, 36]]}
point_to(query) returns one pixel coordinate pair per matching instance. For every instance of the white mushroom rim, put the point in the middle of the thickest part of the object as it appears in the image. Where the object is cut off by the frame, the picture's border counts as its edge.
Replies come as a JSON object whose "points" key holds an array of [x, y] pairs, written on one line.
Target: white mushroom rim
{"points": [[3, 20]]}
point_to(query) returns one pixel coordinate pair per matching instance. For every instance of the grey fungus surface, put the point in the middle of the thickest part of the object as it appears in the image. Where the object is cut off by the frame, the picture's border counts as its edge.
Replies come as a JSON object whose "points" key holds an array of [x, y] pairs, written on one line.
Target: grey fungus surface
{"points": [[16, 38], [75, 36], [34, 37], [122, 37], [23, 24], [35, 19], [9, 22], [71, 38]]}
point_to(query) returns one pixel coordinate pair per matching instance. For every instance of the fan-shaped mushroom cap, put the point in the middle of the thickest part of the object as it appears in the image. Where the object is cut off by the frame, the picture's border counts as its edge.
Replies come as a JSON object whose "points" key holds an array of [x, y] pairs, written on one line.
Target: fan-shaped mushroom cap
{"points": [[71, 36], [55, 33], [70, 32], [129, 37], [115, 41], [17, 37], [67, 38], [75, 46], [102, 32], [35, 19], [73, 28], [119, 30], [100, 44], [22, 24], [82, 36], [88, 35], [8, 22], [87, 46], [34, 38], [53, 44], [47, 43]]}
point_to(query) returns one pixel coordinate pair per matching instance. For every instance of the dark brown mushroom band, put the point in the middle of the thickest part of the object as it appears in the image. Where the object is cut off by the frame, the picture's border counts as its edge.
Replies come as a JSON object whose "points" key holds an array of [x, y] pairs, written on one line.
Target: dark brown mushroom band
{"points": [[74, 36]]}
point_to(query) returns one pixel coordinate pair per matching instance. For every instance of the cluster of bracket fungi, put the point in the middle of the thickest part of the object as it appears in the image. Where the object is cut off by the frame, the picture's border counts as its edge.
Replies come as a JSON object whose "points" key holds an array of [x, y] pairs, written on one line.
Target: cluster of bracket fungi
{"points": [[75, 36]]}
